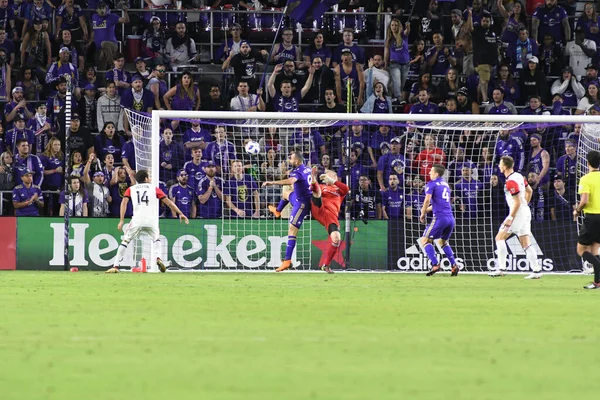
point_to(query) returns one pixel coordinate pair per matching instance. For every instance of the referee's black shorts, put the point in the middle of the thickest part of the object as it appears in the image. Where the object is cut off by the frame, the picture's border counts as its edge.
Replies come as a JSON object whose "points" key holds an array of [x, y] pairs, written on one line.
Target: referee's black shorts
{"points": [[590, 230]]}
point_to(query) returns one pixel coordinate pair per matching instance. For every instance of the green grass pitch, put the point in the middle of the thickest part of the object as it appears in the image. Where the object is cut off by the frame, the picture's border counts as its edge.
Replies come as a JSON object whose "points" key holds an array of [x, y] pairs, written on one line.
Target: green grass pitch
{"points": [[296, 336]]}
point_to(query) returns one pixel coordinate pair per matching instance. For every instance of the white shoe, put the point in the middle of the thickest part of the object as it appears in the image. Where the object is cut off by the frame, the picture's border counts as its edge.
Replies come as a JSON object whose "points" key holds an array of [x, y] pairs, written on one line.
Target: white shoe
{"points": [[587, 269], [497, 273], [534, 275]]}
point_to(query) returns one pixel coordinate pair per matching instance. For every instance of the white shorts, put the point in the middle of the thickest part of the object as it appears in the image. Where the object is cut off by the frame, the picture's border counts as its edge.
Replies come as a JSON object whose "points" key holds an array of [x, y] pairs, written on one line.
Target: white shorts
{"points": [[521, 226], [133, 231]]}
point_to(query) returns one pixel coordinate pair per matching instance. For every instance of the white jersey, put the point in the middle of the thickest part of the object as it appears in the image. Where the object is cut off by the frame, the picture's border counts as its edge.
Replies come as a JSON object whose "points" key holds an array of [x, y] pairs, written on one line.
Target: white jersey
{"points": [[145, 198], [516, 185]]}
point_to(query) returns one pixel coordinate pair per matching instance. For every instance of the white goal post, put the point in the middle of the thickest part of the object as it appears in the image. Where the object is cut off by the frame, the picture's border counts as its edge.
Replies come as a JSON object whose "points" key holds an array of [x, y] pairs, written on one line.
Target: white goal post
{"points": [[147, 149]]}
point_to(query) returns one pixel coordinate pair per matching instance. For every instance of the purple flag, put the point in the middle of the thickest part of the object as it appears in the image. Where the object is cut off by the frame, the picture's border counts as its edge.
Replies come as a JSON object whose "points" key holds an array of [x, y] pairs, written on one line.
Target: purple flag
{"points": [[299, 10]]}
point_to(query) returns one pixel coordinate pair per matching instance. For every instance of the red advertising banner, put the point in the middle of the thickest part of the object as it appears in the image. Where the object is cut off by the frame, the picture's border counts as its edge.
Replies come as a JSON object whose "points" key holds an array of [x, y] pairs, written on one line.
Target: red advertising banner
{"points": [[8, 243]]}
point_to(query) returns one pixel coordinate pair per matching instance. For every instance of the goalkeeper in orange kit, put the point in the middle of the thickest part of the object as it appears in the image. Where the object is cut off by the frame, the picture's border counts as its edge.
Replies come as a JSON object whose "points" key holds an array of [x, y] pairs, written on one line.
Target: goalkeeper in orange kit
{"points": [[326, 203]]}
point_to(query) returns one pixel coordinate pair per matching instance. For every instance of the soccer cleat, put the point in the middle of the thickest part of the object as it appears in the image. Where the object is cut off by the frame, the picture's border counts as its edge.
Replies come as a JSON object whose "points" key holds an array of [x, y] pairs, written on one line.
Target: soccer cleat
{"points": [[454, 270], [534, 275], [436, 268], [497, 273], [284, 265], [113, 270], [161, 265], [325, 268], [592, 285], [274, 211]]}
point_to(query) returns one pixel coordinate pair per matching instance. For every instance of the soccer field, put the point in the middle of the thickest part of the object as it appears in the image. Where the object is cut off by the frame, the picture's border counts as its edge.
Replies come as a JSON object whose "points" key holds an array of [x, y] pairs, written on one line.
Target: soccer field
{"points": [[295, 336]]}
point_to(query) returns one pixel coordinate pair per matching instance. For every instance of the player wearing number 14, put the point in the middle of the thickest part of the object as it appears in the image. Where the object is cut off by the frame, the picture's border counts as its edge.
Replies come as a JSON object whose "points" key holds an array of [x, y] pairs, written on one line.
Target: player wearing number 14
{"points": [[437, 193], [145, 198]]}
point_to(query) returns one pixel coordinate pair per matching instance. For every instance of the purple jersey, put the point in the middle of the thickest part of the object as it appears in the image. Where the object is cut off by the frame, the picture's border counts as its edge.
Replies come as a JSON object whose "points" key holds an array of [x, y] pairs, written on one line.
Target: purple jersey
{"points": [[181, 101], [128, 153], [393, 201], [197, 135], [104, 28], [587, 27], [213, 208], [103, 146], [221, 154], [70, 21], [324, 53], [399, 51], [468, 192], [183, 197], [302, 185], [550, 22], [287, 104], [22, 193], [415, 201], [140, 104], [31, 163], [309, 144], [500, 109], [355, 172], [13, 135], [389, 163], [358, 54], [171, 154], [567, 170], [285, 54], [117, 192], [441, 64], [195, 172], [512, 147], [242, 193], [54, 179], [381, 107], [119, 74], [440, 197], [511, 31], [9, 107], [536, 165]]}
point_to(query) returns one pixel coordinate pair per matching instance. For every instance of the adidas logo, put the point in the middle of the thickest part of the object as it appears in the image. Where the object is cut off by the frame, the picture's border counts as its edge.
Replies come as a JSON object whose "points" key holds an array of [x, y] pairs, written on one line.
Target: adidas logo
{"points": [[415, 260], [516, 259]]}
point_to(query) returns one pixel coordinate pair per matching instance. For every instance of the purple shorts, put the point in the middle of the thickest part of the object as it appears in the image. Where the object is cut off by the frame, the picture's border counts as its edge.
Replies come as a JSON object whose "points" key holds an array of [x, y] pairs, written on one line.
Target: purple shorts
{"points": [[440, 228], [300, 210]]}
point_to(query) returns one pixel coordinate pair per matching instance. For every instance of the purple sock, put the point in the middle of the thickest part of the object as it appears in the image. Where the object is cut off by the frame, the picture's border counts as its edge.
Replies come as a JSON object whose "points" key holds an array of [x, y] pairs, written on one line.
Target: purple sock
{"points": [[282, 204], [289, 250], [449, 253], [430, 251]]}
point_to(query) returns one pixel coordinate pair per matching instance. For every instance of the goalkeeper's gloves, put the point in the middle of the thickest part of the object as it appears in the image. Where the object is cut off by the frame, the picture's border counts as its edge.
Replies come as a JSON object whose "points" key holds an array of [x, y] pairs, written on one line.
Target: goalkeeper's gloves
{"points": [[327, 179]]}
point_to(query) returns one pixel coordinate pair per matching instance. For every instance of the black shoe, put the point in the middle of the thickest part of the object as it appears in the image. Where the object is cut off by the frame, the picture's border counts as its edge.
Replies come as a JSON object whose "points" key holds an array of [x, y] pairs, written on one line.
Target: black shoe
{"points": [[592, 285], [161, 265], [454, 270], [436, 268]]}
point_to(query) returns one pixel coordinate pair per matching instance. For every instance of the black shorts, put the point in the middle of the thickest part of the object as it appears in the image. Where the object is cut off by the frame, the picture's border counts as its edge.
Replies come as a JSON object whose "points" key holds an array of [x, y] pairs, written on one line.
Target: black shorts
{"points": [[590, 230]]}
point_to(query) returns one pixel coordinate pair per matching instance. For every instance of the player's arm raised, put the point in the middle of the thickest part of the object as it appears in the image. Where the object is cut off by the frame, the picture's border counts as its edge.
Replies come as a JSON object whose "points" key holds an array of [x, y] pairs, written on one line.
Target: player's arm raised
{"points": [[173, 208], [281, 182]]}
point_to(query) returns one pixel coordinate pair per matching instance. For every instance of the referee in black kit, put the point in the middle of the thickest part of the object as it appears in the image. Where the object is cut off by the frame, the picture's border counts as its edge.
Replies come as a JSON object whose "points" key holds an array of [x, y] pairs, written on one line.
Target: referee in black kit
{"points": [[588, 242]]}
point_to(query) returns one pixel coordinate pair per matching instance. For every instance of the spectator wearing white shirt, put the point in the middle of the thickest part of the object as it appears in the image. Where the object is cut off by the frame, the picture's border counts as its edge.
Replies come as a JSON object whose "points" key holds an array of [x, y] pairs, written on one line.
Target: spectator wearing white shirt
{"points": [[246, 101], [580, 52], [568, 87]]}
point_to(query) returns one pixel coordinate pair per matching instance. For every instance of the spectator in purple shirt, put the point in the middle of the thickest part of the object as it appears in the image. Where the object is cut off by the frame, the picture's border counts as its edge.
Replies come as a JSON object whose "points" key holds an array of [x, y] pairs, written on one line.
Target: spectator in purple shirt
{"points": [[317, 49], [221, 151], [288, 101], [103, 34], [551, 19], [183, 196], [137, 99], [241, 193], [210, 193], [170, 156], [358, 53], [439, 58], [309, 142], [27, 197]]}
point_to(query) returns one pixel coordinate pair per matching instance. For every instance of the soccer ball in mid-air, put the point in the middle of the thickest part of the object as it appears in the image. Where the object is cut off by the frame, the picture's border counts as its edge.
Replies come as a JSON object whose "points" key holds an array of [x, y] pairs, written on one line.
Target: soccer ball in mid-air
{"points": [[252, 147]]}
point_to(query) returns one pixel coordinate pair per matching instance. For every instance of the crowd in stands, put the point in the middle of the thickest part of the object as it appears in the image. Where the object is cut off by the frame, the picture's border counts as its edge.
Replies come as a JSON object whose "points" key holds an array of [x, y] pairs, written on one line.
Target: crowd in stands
{"points": [[464, 56]]}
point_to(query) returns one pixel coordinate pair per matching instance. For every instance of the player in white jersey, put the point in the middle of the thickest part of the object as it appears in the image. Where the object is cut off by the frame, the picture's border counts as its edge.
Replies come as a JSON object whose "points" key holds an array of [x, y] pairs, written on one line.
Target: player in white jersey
{"points": [[145, 198], [518, 194]]}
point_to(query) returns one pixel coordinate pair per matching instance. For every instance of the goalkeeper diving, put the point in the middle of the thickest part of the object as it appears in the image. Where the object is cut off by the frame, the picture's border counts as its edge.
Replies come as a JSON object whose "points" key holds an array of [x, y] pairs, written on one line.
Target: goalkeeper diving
{"points": [[327, 200]]}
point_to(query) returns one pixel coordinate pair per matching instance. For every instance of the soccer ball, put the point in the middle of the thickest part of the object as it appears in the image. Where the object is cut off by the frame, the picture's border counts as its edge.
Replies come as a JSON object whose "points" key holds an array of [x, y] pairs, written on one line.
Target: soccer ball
{"points": [[252, 147]]}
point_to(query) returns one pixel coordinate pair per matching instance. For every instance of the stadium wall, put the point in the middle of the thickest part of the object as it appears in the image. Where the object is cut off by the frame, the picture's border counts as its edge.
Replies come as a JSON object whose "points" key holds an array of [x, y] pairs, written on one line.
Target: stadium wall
{"points": [[37, 243]]}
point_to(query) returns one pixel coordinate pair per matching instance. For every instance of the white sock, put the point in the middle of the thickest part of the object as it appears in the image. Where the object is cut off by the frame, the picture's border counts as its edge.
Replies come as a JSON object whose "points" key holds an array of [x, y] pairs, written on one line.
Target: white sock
{"points": [[532, 258], [502, 254], [120, 254], [157, 248]]}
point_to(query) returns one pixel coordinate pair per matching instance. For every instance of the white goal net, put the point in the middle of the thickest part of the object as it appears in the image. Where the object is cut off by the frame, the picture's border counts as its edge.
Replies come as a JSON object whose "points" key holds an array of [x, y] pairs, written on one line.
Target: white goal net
{"points": [[213, 166]]}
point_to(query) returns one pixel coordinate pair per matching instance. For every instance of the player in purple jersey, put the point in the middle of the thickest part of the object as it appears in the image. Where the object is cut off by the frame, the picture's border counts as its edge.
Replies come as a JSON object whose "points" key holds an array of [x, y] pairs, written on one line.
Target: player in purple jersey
{"points": [[437, 199], [300, 198]]}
